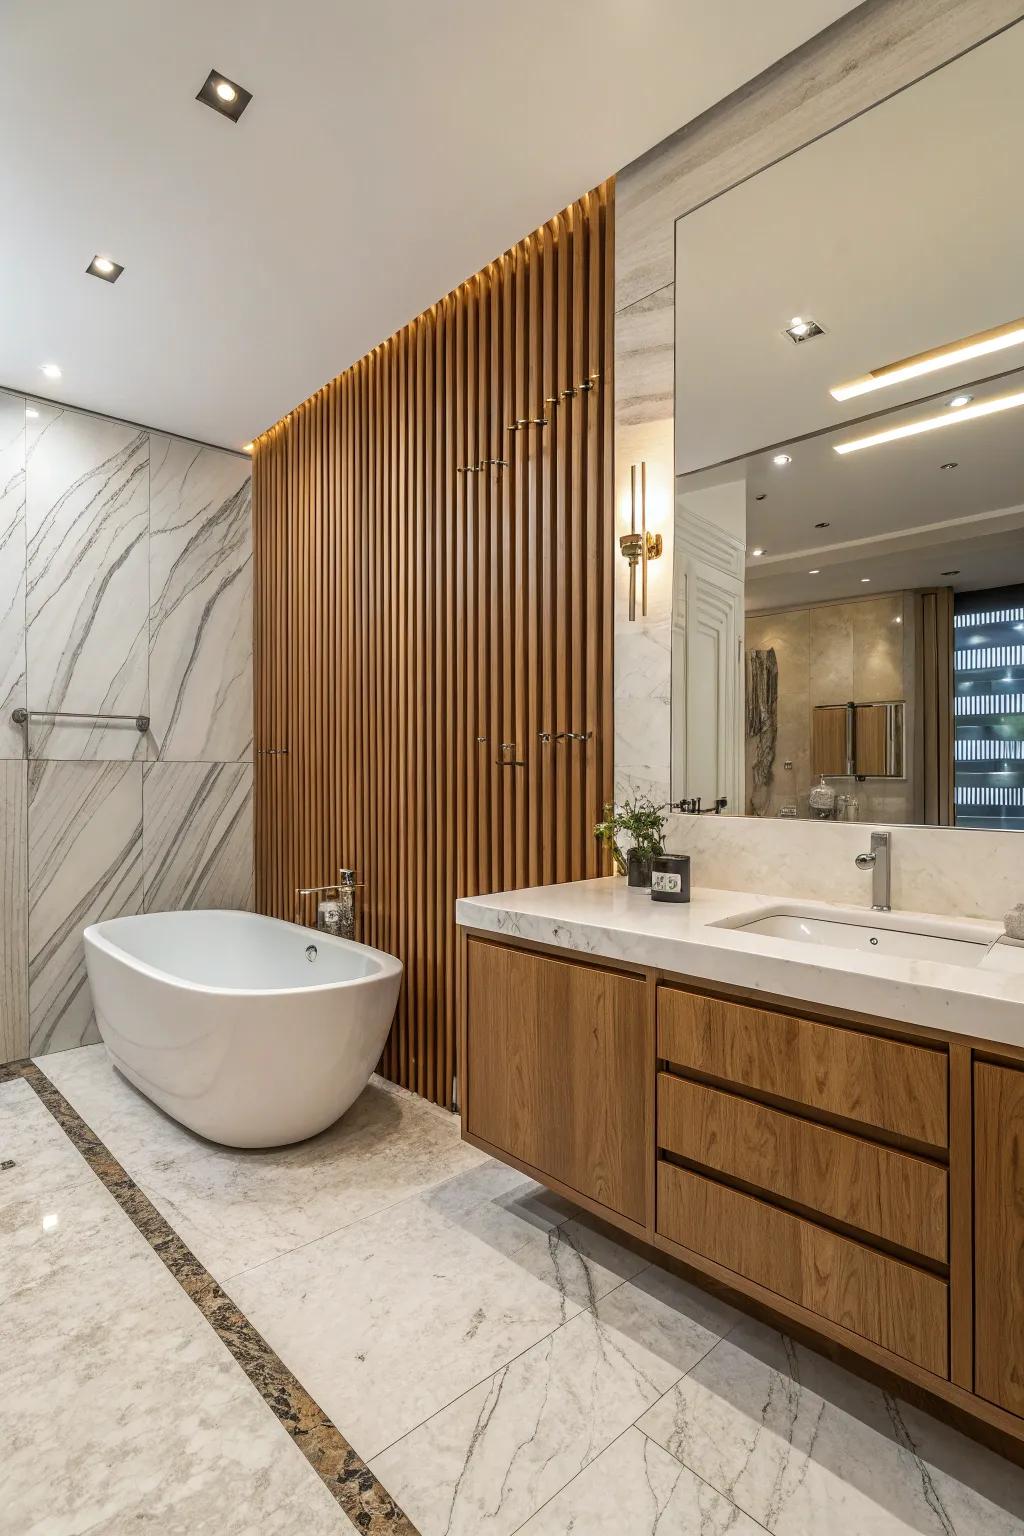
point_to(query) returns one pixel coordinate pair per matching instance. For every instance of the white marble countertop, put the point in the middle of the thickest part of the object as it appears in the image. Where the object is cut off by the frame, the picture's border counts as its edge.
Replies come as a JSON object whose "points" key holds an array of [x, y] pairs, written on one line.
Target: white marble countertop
{"points": [[610, 919]]}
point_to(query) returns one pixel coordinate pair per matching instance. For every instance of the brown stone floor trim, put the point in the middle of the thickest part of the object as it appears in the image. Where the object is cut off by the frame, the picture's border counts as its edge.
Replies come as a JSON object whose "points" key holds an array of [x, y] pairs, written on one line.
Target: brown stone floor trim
{"points": [[364, 1500]]}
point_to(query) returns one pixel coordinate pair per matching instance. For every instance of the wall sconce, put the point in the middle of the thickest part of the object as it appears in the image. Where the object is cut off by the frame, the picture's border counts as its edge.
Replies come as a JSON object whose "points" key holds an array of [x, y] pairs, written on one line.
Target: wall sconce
{"points": [[639, 547]]}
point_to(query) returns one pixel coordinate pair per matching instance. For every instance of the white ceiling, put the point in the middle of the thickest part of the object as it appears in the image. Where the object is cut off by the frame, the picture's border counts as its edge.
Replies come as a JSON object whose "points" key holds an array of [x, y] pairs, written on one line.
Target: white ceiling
{"points": [[900, 231], [390, 150]]}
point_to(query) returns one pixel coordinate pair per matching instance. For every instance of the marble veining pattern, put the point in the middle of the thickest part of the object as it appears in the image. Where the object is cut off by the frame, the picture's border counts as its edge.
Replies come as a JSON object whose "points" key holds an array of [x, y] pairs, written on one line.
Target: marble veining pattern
{"points": [[640, 1405], [13, 910], [87, 525], [200, 632], [85, 863], [197, 836], [12, 572], [220, 1464]]}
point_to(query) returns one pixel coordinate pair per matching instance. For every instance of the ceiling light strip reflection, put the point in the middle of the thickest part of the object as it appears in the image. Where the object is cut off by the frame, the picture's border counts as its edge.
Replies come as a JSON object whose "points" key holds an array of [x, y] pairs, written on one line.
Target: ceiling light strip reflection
{"points": [[932, 423], [978, 345]]}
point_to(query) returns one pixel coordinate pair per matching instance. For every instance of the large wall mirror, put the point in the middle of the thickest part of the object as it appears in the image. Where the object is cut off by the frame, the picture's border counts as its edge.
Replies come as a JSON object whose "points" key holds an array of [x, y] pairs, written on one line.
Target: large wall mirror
{"points": [[848, 566]]}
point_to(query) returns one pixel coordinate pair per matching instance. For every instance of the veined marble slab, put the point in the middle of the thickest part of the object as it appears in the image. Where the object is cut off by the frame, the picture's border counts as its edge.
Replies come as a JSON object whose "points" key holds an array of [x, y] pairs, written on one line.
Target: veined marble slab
{"points": [[13, 911], [197, 836], [609, 918], [85, 863], [803, 1446], [12, 572], [200, 636], [87, 525]]}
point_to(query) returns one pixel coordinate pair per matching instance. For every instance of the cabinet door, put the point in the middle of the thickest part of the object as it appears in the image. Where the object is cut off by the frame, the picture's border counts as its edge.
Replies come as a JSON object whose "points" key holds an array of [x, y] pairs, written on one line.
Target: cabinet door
{"points": [[560, 1071], [999, 1235]]}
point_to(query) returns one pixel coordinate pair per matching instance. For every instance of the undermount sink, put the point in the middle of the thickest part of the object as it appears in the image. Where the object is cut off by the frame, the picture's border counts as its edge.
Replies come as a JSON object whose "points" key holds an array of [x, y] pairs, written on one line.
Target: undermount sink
{"points": [[872, 933]]}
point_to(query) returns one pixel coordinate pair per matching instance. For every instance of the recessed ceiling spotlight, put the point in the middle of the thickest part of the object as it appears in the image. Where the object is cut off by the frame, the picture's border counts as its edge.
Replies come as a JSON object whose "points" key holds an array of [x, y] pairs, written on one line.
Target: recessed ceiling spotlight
{"points": [[51, 370], [800, 328], [102, 266], [757, 553], [782, 458], [225, 96], [957, 573], [823, 525], [247, 447], [959, 400], [815, 572], [950, 464], [898, 619], [760, 495], [865, 578], [31, 412]]}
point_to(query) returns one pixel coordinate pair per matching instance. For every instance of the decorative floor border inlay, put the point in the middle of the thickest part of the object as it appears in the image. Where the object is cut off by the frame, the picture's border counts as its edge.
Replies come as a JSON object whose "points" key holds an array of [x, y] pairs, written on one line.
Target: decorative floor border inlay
{"points": [[364, 1500]]}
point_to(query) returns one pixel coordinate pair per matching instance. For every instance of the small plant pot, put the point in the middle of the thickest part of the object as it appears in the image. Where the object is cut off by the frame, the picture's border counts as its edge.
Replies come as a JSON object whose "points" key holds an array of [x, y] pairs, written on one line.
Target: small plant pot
{"points": [[638, 868]]}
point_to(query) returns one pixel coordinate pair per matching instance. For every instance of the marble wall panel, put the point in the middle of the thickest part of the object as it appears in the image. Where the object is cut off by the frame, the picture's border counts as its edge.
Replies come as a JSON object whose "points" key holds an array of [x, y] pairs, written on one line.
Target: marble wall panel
{"points": [[84, 864], [12, 572], [87, 526], [197, 836], [201, 616], [13, 912]]}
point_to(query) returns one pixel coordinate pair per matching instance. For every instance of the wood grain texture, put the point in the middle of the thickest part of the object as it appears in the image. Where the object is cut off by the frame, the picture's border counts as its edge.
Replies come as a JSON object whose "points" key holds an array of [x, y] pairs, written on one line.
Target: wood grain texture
{"points": [[961, 1208], [999, 1235], [899, 1088], [829, 740], [560, 1072], [902, 1308], [431, 585], [879, 1190]]}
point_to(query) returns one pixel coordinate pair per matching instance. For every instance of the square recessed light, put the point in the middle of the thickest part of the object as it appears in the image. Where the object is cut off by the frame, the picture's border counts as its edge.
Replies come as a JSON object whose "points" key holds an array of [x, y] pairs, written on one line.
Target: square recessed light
{"points": [[225, 96], [802, 328], [103, 267]]}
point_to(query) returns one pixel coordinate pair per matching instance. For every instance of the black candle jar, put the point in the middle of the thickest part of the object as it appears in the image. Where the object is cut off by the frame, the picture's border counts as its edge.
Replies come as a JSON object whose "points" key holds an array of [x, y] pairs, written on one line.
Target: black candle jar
{"points": [[670, 877]]}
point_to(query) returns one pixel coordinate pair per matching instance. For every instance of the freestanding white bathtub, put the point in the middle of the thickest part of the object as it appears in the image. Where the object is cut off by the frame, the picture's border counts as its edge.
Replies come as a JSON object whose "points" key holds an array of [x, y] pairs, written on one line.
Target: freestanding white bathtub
{"points": [[251, 1031]]}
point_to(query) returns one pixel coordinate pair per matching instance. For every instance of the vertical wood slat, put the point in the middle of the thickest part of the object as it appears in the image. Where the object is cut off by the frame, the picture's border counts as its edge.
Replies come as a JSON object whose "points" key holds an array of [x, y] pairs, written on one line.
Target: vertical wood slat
{"points": [[405, 606]]}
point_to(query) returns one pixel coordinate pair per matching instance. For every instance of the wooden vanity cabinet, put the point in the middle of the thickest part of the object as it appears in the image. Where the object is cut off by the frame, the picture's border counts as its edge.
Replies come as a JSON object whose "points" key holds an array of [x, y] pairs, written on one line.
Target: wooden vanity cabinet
{"points": [[558, 1073], [999, 1234], [859, 1181]]}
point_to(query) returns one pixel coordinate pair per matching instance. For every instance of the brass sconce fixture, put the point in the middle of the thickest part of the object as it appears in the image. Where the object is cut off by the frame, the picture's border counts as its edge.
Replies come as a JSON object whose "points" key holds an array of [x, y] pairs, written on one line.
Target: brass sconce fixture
{"points": [[639, 547]]}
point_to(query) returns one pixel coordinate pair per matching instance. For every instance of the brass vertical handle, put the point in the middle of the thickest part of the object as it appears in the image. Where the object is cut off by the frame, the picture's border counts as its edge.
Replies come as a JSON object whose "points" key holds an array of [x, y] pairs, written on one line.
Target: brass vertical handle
{"points": [[643, 535]]}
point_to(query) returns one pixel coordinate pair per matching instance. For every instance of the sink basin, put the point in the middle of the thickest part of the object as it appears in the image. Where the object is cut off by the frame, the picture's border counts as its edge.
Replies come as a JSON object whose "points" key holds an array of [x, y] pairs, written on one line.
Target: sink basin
{"points": [[872, 933]]}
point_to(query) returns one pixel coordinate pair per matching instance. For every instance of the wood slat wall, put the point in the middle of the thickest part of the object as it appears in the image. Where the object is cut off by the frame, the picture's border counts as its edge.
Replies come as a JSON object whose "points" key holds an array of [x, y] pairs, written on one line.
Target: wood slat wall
{"points": [[411, 615]]}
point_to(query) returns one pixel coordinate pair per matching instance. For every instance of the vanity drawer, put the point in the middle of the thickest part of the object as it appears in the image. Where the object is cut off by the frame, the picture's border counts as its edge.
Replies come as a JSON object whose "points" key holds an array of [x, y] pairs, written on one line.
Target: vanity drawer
{"points": [[890, 1084], [901, 1308], [886, 1193]]}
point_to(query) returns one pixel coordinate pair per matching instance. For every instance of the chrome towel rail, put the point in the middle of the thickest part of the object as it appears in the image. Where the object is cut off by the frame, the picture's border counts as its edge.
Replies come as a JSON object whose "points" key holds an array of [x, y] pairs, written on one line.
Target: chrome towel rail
{"points": [[22, 717]]}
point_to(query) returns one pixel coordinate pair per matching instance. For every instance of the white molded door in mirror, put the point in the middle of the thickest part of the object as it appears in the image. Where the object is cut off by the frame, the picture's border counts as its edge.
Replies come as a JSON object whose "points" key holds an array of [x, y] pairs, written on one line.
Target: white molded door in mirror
{"points": [[850, 467]]}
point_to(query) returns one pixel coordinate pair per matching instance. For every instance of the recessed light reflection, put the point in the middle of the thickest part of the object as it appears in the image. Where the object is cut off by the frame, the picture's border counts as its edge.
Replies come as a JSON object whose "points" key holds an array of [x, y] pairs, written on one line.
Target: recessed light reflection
{"points": [[31, 412], [51, 370], [815, 572], [865, 579], [959, 400], [757, 553], [782, 458], [51, 1221]]}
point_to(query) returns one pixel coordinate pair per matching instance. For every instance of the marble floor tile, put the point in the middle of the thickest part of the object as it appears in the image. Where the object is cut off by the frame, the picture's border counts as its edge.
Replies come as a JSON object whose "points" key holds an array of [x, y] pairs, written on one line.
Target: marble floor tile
{"points": [[803, 1446], [43, 1159], [389, 1320], [87, 607], [201, 603], [12, 572], [634, 1488], [489, 1460], [197, 836], [84, 864]]}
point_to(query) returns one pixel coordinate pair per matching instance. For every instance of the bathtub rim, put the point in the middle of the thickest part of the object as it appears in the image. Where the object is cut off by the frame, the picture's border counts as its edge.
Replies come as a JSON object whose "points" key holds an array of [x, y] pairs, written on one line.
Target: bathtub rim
{"points": [[389, 965]]}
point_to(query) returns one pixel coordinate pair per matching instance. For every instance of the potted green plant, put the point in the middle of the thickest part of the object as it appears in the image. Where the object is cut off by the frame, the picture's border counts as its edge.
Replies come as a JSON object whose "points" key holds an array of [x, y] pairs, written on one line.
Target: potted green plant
{"points": [[642, 822]]}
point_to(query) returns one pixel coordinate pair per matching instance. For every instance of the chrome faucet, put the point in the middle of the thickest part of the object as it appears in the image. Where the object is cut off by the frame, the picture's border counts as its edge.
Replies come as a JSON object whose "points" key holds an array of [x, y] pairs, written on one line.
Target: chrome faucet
{"points": [[879, 863]]}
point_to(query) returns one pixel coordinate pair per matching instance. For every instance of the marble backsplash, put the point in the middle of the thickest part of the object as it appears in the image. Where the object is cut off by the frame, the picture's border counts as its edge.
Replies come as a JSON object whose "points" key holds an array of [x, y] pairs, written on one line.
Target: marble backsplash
{"points": [[125, 588]]}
